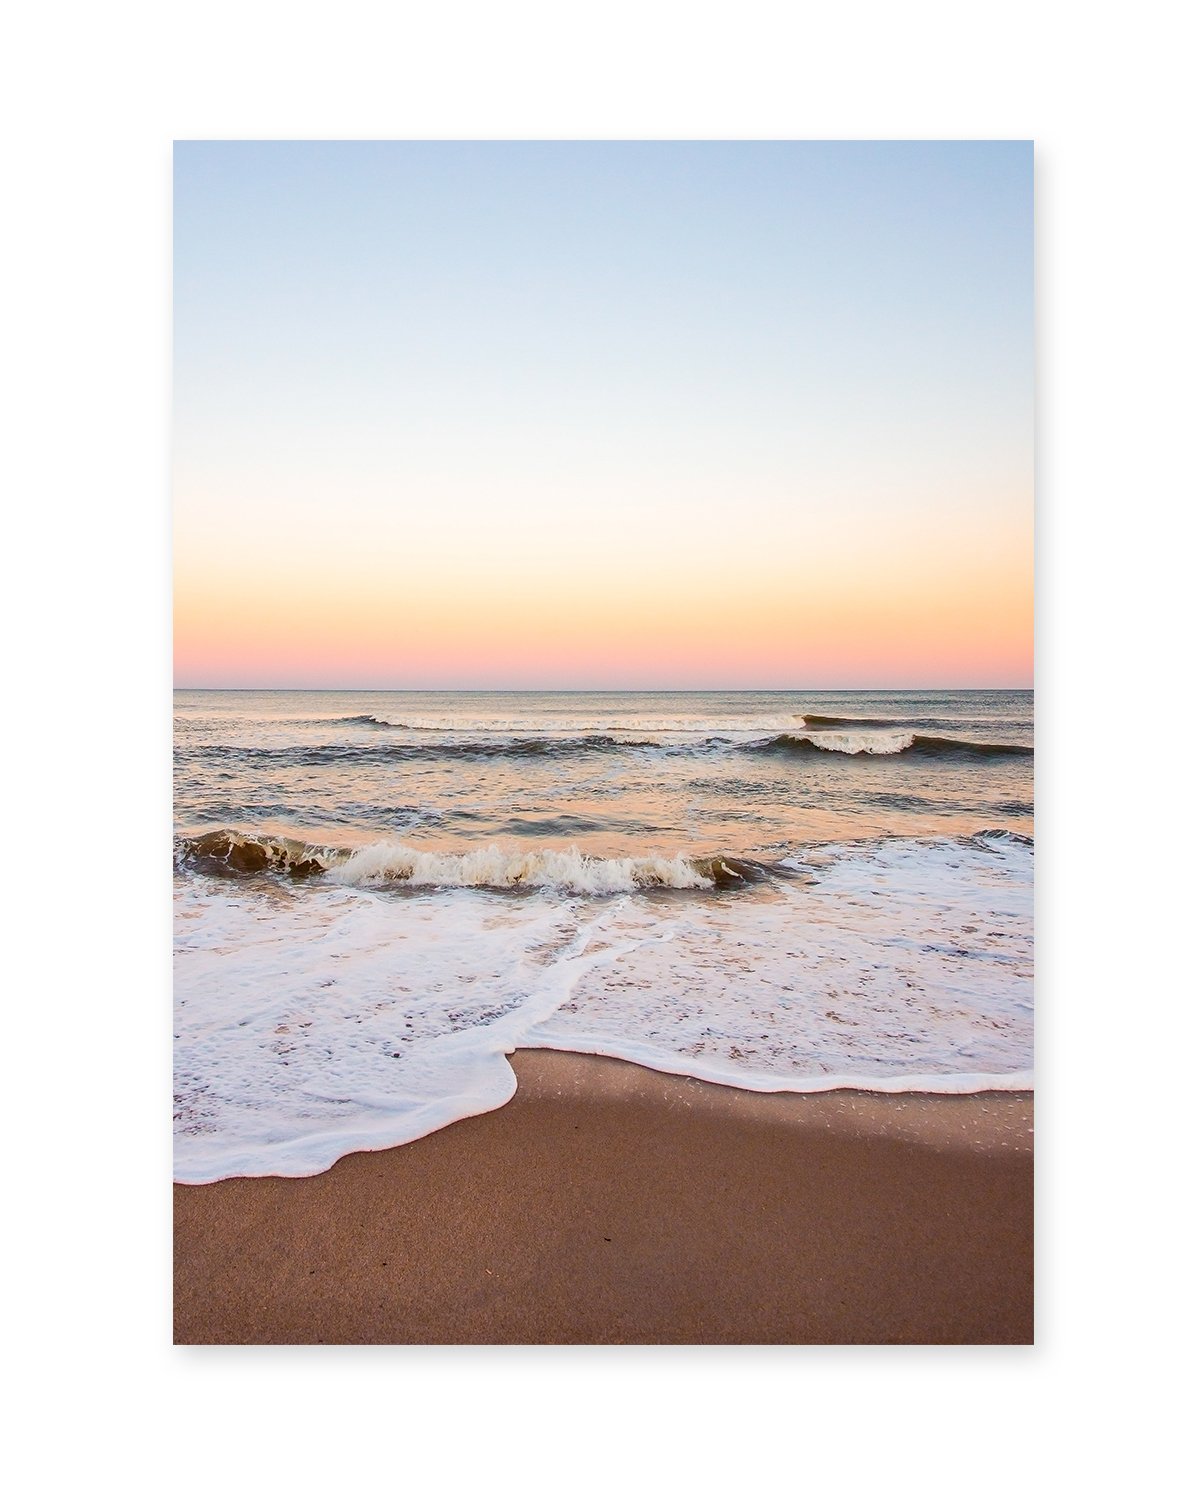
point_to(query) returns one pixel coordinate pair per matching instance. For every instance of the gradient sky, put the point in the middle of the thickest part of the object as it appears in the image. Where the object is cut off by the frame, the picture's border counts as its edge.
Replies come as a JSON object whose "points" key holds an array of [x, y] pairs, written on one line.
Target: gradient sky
{"points": [[603, 414]]}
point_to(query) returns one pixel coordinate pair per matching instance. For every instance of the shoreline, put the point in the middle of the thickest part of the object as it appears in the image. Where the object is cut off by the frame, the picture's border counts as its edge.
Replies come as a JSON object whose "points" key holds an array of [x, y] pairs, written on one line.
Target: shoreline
{"points": [[610, 1203]]}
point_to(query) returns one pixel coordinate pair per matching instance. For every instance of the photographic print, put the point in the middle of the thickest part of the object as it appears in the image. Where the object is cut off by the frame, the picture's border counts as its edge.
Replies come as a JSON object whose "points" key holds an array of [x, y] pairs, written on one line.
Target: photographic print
{"points": [[603, 742]]}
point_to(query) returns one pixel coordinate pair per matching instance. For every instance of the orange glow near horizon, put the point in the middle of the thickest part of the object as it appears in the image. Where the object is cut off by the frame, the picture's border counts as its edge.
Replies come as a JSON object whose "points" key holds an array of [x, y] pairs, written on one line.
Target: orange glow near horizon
{"points": [[939, 610]]}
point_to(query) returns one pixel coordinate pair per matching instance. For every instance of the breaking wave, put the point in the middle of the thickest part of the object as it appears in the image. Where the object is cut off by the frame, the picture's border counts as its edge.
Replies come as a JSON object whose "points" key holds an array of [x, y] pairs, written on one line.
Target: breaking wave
{"points": [[885, 742], [230, 853]]}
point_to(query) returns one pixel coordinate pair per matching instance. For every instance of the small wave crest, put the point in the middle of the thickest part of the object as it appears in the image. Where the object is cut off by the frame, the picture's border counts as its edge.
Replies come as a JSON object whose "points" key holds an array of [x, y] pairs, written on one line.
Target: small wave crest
{"points": [[884, 742], [1001, 838]]}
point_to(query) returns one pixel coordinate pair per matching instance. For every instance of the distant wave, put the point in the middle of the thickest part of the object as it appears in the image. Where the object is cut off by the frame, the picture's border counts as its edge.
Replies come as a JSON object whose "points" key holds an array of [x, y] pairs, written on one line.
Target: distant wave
{"points": [[844, 742], [713, 729], [537, 725], [884, 742], [364, 721], [844, 721], [389, 750], [840, 721], [230, 852]]}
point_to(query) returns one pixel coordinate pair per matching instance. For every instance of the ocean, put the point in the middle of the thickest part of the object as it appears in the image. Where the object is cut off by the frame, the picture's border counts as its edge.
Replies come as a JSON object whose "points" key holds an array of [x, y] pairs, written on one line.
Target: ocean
{"points": [[379, 895]]}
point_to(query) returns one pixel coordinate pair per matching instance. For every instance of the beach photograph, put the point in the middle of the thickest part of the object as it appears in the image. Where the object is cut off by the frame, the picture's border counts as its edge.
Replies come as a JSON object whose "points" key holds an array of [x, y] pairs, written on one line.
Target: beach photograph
{"points": [[599, 622], [603, 742]]}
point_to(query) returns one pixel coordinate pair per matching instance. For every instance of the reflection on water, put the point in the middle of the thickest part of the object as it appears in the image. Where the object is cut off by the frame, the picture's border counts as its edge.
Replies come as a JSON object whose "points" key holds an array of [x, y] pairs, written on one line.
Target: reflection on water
{"points": [[611, 775]]}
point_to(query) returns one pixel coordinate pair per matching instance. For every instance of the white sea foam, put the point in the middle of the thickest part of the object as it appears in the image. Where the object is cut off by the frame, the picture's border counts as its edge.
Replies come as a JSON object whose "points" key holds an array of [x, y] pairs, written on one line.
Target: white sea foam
{"points": [[904, 965], [324, 1018], [499, 869], [308, 1026], [860, 741]]}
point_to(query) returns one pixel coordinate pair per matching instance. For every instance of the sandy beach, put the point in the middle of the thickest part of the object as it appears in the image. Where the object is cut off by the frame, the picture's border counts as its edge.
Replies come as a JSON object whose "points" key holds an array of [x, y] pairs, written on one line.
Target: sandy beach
{"points": [[609, 1204]]}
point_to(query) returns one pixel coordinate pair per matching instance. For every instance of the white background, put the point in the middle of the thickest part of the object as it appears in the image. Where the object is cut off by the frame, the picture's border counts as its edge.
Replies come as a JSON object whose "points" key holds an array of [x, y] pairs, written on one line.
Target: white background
{"points": [[92, 97]]}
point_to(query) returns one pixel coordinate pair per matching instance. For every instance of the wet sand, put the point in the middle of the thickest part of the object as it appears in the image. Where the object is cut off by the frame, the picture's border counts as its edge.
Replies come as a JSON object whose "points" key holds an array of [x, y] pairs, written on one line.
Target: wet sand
{"points": [[610, 1204]]}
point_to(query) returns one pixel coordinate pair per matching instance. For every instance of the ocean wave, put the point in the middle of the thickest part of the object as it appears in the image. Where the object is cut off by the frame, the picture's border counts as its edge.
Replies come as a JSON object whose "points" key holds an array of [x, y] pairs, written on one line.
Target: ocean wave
{"points": [[422, 750], [852, 721], [560, 869], [885, 742], [364, 721], [841, 721], [575, 724], [1001, 838], [844, 742], [386, 863], [228, 852]]}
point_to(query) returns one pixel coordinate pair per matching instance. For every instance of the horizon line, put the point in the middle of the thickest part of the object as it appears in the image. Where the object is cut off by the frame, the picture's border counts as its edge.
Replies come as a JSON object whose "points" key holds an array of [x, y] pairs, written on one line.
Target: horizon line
{"points": [[934, 688]]}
